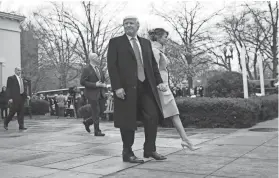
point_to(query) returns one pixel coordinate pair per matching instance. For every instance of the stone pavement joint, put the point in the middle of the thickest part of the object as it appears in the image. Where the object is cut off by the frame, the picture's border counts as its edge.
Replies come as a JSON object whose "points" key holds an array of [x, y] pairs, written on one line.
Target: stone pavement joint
{"points": [[58, 148], [238, 158]]}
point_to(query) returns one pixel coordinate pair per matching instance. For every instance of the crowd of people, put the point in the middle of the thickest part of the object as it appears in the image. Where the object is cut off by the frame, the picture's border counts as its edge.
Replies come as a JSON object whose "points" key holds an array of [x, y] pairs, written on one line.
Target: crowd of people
{"points": [[73, 99], [186, 92]]}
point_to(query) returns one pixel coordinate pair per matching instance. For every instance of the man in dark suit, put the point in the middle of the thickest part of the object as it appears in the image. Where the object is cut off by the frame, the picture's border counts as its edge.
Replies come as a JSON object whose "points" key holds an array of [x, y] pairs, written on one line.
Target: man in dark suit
{"points": [[16, 92], [92, 79], [135, 78]]}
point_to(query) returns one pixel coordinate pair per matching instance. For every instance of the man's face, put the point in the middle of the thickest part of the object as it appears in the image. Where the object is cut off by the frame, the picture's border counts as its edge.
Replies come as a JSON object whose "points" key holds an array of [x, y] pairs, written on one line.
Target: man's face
{"points": [[131, 26], [18, 71]]}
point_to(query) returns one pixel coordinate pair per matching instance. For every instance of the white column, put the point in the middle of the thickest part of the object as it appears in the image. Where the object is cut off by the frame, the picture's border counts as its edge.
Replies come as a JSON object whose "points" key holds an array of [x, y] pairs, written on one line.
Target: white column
{"points": [[261, 74], [244, 72]]}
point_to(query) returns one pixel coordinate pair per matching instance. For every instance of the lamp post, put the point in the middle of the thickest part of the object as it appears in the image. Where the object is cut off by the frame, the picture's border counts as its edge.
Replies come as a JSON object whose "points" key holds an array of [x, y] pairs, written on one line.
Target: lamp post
{"points": [[228, 57]]}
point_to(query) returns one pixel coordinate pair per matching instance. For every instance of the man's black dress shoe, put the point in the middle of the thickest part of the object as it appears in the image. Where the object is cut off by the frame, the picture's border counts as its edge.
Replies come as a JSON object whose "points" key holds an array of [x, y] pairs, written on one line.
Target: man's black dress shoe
{"points": [[22, 128], [86, 126], [100, 134], [6, 126], [132, 159], [154, 155]]}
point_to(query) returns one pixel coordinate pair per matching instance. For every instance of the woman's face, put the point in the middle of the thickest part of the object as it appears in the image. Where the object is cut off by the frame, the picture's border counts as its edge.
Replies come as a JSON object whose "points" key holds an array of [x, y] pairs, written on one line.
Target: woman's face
{"points": [[163, 39]]}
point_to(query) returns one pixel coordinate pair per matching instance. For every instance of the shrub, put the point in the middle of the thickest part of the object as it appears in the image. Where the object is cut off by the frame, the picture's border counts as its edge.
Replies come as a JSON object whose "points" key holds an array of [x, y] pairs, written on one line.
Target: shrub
{"points": [[38, 107], [226, 112], [268, 106], [225, 84], [217, 112]]}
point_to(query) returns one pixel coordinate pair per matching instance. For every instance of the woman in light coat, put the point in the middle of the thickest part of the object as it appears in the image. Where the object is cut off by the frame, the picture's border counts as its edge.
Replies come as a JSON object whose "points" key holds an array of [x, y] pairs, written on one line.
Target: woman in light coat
{"points": [[158, 37]]}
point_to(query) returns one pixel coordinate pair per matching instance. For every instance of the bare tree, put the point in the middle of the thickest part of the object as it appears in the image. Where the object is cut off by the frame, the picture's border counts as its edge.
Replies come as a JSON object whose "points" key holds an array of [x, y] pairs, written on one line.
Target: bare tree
{"points": [[190, 27], [246, 29], [242, 31], [55, 45], [268, 23], [94, 33]]}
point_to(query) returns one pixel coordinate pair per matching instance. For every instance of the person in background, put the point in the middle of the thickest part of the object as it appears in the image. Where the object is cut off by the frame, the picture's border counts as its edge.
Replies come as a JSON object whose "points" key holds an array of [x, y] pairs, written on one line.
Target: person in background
{"points": [[55, 102], [4, 102], [179, 92], [16, 93], [92, 79], [201, 91], [41, 97]]}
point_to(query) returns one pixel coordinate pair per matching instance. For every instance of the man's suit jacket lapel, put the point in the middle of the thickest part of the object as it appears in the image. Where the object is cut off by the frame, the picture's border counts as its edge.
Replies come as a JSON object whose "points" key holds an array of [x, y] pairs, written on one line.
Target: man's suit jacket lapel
{"points": [[16, 81], [128, 45], [95, 72]]}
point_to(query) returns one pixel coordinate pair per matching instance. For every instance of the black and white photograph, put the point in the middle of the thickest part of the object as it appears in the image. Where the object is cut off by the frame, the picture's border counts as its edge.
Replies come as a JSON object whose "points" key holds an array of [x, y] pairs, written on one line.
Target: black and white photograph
{"points": [[134, 89]]}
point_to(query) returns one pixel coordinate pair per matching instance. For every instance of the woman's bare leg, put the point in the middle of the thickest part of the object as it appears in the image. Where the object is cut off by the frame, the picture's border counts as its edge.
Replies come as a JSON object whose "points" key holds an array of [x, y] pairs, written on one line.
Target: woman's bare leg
{"points": [[180, 129]]}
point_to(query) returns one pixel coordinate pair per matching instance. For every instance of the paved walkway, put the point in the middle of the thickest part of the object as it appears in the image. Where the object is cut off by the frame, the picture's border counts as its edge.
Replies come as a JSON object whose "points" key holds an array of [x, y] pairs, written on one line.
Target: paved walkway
{"points": [[58, 148]]}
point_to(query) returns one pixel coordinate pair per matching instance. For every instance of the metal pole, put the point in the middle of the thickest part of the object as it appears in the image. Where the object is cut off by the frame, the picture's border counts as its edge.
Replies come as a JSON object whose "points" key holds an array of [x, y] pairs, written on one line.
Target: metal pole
{"points": [[244, 72], [261, 75]]}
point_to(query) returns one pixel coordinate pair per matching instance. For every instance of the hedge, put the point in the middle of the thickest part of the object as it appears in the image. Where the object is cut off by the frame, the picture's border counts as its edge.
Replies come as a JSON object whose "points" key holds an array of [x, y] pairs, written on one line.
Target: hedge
{"points": [[203, 112], [227, 112], [268, 106], [38, 107]]}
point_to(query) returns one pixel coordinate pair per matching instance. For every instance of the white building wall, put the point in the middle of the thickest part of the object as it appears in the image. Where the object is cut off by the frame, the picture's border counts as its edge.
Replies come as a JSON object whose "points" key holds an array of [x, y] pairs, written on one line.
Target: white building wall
{"points": [[10, 55]]}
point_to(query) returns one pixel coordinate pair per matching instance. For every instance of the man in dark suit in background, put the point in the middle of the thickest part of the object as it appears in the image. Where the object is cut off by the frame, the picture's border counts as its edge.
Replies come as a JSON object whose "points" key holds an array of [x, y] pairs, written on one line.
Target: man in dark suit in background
{"points": [[16, 93], [92, 79]]}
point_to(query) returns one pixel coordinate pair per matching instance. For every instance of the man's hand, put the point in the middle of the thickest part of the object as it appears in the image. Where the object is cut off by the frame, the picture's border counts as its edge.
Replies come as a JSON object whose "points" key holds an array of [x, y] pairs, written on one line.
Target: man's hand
{"points": [[120, 93], [100, 84], [104, 85], [162, 87]]}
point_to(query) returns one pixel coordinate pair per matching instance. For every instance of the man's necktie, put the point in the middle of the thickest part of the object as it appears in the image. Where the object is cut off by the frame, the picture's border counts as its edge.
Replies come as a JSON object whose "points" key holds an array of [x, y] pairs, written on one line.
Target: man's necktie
{"points": [[21, 87], [141, 75], [97, 72]]}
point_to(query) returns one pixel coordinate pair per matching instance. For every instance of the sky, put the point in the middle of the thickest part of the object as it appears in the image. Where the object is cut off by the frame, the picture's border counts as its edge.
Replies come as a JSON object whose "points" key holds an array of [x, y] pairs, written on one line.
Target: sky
{"points": [[140, 8], [136, 7]]}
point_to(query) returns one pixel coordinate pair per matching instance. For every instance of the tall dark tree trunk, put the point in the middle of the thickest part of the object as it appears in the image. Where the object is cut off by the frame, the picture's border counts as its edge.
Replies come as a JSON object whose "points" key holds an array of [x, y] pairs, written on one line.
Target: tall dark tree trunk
{"points": [[274, 48], [255, 67], [190, 78]]}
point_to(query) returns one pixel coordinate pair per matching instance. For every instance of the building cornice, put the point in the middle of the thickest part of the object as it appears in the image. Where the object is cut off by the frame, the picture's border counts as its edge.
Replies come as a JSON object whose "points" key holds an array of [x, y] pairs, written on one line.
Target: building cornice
{"points": [[11, 16]]}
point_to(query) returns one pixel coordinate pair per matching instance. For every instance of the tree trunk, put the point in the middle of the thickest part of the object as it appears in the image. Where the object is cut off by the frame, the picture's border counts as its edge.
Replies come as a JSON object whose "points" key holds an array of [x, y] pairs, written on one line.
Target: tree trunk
{"points": [[190, 78], [248, 71], [63, 81], [275, 65], [255, 67], [274, 47], [190, 81], [275, 59], [274, 52]]}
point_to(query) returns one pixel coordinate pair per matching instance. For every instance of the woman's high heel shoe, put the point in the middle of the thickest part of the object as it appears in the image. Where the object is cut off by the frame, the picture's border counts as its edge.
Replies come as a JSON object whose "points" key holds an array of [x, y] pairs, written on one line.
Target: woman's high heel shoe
{"points": [[189, 146]]}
